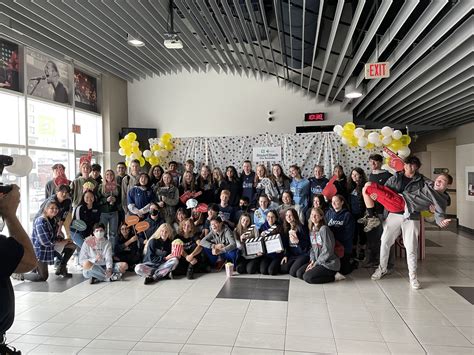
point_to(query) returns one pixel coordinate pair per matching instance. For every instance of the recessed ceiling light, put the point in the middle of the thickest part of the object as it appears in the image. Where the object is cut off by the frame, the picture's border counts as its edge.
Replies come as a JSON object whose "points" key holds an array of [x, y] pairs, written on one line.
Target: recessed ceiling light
{"points": [[135, 42]]}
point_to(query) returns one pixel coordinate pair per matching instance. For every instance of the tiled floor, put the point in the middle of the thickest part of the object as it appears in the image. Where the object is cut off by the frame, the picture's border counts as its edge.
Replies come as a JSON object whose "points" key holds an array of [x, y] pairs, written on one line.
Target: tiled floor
{"points": [[355, 316]]}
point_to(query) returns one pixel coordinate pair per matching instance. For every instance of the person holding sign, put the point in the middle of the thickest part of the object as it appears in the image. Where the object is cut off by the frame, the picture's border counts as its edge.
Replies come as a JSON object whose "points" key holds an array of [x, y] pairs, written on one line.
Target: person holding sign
{"points": [[270, 264], [245, 232], [296, 243]]}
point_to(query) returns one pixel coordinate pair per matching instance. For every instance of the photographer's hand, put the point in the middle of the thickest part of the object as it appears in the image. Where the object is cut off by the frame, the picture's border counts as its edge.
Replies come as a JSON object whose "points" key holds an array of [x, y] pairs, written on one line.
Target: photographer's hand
{"points": [[8, 205]]}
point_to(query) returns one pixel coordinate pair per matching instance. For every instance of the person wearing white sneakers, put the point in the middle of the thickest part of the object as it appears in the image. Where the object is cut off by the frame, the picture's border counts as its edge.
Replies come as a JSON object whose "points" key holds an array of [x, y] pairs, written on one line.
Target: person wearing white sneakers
{"points": [[409, 180]]}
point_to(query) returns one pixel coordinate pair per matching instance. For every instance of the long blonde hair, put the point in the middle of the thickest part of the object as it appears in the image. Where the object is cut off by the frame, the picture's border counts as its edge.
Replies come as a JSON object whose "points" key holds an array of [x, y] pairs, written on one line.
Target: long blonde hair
{"points": [[165, 226]]}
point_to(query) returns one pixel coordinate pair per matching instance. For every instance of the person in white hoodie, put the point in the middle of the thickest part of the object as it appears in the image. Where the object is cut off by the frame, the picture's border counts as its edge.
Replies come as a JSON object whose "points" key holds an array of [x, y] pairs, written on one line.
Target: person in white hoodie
{"points": [[96, 258]]}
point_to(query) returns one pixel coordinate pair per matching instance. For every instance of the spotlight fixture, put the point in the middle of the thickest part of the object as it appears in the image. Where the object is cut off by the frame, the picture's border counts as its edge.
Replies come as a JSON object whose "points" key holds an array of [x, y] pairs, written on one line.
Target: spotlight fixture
{"points": [[172, 40], [351, 91], [134, 42]]}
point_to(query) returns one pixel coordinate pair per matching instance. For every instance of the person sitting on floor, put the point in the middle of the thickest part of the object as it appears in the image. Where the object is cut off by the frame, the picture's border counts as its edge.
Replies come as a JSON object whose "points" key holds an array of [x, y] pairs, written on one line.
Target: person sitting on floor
{"points": [[96, 258], [219, 245]]}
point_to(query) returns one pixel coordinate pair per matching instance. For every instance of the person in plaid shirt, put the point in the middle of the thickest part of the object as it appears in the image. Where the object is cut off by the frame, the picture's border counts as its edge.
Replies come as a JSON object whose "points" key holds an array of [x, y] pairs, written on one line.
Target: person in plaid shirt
{"points": [[46, 242]]}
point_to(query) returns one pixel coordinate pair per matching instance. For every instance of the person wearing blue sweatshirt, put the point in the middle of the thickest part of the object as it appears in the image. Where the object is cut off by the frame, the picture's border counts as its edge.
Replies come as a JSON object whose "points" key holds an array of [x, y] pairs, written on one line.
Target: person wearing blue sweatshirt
{"points": [[296, 243], [247, 179], [300, 188], [260, 214], [342, 224], [140, 197], [318, 182]]}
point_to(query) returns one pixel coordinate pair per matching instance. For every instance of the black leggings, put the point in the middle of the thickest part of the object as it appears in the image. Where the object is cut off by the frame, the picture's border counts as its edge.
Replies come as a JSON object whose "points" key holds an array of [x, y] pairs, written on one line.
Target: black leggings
{"points": [[317, 275], [270, 266], [293, 264], [248, 266]]}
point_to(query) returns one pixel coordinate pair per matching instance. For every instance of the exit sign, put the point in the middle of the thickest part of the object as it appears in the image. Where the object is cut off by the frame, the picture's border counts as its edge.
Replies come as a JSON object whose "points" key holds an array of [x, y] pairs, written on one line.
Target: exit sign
{"points": [[314, 116], [377, 70]]}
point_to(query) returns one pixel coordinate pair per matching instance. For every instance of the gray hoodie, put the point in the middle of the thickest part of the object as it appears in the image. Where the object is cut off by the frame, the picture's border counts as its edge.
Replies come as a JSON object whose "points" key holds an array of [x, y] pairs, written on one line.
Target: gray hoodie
{"points": [[322, 249], [224, 237]]}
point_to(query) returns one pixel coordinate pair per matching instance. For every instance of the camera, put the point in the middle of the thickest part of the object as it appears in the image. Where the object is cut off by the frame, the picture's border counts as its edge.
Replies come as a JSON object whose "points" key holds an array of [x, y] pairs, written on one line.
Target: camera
{"points": [[19, 165]]}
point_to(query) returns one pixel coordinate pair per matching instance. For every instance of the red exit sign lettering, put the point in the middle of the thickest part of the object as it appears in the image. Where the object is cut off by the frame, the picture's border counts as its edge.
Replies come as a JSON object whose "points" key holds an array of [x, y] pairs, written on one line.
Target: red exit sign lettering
{"points": [[377, 70], [314, 116]]}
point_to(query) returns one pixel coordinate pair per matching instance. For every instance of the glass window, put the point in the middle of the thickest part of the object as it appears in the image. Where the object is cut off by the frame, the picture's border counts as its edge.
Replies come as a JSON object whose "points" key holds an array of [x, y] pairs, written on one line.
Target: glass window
{"points": [[91, 131], [13, 110], [49, 125]]}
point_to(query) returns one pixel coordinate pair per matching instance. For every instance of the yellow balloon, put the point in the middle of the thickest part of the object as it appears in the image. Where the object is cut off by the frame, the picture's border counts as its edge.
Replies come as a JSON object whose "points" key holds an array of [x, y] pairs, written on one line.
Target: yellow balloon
{"points": [[131, 136], [370, 146], [354, 142], [153, 160], [405, 140], [350, 126], [155, 147], [348, 134], [166, 137], [169, 147], [128, 150], [142, 161], [135, 149], [123, 143], [395, 145]]}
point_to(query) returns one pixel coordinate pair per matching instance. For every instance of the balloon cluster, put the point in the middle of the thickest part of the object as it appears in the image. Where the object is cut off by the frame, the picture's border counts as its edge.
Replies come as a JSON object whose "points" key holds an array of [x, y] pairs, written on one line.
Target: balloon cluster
{"points": [[159, 149], [354, 136], [130, 149]]}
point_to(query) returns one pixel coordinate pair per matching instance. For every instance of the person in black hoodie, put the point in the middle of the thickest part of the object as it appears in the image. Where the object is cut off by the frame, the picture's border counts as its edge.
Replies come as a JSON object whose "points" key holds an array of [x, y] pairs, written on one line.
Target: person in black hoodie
{"points": [[296, 243], [247, 178], [341, 182], [191, 259], [232, 183], [355, 183], [205, 185], [318, 182], [342, 225], [127, 247], [87, 212], [158, 261]]}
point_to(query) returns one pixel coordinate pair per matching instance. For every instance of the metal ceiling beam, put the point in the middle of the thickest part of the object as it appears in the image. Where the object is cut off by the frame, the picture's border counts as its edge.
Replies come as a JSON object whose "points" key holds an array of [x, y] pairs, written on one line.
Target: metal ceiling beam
{"points": [[302, 43], [315, 46], [332, 35], [202, 36], [283, 57], [265, 25], [235, 28], [469, 113], [345, 46], [148, 23], [159, 9], [448, 111], [379, 17], [456, 46], [248, 5], [213, 35], [434, 7], [462, 121], [248, 38], [377, 125], [416, 109], [448, 22], [230, 38]]}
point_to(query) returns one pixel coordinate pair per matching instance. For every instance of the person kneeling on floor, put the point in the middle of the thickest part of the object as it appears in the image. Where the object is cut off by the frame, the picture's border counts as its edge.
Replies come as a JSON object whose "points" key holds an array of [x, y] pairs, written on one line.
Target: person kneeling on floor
{"points": [[96, 258]]}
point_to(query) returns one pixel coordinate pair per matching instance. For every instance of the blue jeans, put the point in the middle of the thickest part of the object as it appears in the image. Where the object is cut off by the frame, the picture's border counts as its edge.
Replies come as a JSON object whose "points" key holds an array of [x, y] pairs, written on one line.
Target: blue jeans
{"points": [[228, 255], [110, 220], [99, 272]]}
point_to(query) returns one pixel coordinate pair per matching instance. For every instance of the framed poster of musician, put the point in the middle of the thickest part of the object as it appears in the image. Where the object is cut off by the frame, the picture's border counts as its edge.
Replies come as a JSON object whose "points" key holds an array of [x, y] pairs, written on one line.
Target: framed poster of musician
{"points": [[85, 91], [9, 66], [47, 77]]}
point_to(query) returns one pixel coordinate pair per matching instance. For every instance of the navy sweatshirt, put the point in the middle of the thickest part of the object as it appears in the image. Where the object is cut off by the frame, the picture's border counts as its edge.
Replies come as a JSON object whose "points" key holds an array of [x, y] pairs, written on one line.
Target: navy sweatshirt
{"points": [[342, 225], [303, 246]]}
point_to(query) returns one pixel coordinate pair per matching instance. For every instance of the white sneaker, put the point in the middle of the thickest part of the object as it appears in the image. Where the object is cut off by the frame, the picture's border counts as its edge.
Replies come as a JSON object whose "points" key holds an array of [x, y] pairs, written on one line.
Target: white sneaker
{"points": [[414, 283], [339, 277], [115, 276], [378, 274]]}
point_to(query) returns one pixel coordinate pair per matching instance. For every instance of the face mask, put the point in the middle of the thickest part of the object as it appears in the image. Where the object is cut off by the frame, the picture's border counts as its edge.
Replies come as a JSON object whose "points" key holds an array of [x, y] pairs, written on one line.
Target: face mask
{"points": [[244, 207], [99, 234], [154, 212]]}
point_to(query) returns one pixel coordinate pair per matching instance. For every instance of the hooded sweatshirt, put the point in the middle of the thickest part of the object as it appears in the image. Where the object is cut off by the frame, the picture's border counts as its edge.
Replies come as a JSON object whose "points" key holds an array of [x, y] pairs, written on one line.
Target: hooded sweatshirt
{"points": [[342, 225], [98, 251], [224, 237], [322, 249]]}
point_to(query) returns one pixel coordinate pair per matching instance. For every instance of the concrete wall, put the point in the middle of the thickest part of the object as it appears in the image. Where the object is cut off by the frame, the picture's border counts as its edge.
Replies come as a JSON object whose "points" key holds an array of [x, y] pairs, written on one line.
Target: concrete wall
{"points": [[212, 104]]}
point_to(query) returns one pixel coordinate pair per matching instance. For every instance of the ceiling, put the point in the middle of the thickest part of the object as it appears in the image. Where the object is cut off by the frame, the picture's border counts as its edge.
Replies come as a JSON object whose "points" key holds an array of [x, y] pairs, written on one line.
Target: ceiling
{"points": [[314, 46]]}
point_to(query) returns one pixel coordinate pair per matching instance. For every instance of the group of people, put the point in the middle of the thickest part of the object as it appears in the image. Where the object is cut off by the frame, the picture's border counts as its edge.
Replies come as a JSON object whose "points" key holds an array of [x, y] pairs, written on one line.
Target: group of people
{"points": [[198, 221]]}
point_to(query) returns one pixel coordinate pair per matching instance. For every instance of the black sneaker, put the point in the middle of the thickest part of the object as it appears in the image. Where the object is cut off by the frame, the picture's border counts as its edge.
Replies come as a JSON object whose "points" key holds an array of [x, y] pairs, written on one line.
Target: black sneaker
{"points": [[148, 280], [63, 272], [8, 350], [93, 280], [190, 272]]}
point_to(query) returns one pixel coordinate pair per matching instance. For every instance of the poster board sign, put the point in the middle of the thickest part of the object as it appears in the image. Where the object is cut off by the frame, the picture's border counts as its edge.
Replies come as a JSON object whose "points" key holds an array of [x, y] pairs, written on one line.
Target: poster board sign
{"points": [[85, 91], [273, 243], [254, 246], [47, 77], [266, 154], [9, 66]]}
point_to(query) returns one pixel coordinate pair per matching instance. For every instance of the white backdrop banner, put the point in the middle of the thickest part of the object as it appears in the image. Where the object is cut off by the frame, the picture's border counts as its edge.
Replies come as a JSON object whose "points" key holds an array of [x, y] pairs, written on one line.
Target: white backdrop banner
{"points": [[303, 149]]}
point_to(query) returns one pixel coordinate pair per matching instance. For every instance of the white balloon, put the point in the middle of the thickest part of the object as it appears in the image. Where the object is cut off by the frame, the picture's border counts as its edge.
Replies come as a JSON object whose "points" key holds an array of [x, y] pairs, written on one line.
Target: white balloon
{"points": [[373, 137], [338, 129], [147, 153], [359, 132], [387, 140], [403, 152], [163, 153], [135, 144], [362, 142], [133, 156], [378, 144], [344, 141], [156, 153], [121, 152], [386, 131], [397, 134]]}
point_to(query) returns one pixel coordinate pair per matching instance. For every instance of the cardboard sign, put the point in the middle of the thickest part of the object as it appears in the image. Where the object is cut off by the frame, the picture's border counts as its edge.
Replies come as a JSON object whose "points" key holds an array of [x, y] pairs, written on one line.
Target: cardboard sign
{"points": [[273, 243], [263, 154], [254, 245]]}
